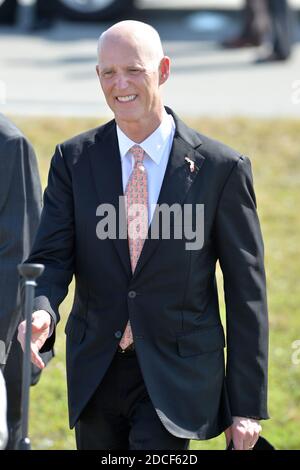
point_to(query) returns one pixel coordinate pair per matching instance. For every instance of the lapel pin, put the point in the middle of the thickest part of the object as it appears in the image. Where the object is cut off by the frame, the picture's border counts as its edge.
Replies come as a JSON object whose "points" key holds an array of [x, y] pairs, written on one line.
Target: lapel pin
{"points": [[191, 163]]}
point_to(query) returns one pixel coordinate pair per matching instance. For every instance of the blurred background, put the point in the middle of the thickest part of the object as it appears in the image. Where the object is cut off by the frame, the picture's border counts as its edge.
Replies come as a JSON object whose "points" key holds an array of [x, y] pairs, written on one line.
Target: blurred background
{"points": [[236, 77], [57, 54]]}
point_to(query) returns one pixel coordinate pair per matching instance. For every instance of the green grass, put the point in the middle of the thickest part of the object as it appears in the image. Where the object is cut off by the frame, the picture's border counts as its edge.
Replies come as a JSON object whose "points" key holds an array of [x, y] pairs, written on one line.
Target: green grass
{"points": [[273, 147]]}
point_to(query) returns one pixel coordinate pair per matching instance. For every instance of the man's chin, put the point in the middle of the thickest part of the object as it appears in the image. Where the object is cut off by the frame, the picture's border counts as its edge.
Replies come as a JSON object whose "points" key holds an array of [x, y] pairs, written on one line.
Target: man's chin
{"points": [[128, 117]]}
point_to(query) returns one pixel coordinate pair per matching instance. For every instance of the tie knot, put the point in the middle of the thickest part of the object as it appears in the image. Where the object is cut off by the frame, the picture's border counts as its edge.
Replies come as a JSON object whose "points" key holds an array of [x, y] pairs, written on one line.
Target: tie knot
{"points": [[138, 154]]}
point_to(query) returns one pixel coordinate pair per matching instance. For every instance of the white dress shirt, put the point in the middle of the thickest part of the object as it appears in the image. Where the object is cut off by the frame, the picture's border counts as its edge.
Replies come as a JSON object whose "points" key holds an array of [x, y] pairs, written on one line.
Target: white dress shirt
{"points": [[157, 149]]}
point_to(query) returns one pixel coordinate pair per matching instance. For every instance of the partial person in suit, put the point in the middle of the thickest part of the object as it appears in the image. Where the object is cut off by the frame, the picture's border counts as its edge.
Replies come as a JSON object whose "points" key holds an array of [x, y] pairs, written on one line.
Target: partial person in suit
{"points": [[20, 209], [266, 21], [145, 342]]}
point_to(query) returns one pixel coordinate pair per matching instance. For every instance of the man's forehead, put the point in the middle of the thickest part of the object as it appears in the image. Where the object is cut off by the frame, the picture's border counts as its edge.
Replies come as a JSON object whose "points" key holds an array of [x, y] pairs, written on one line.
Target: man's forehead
{"points": [[121, 59], [123, 53], [124, 40]]}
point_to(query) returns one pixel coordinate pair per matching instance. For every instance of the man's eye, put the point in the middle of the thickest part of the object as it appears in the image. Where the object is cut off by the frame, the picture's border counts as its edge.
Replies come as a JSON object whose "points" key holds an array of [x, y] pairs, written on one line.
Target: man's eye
{"points": [[134, 70], [107, 73]]}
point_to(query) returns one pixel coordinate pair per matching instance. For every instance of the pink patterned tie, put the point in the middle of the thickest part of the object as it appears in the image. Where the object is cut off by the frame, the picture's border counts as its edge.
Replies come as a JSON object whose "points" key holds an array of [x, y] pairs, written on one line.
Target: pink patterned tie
{"points": [[137, 220]]}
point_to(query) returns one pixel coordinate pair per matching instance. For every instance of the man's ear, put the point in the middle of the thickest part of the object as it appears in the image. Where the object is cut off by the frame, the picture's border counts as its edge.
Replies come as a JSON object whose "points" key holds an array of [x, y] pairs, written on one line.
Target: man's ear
{"points": [[164, 69], [98, 71]]}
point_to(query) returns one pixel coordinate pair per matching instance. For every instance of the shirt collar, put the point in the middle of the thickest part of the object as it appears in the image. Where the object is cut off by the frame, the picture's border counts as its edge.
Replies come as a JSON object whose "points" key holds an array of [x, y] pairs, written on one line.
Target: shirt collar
{"points": [[155, 144]]}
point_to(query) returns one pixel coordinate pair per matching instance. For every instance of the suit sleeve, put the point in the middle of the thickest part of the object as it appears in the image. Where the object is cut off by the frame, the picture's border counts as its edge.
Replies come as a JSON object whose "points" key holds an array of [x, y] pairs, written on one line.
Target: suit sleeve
{"points": [[20, 207], [241, 257], [54, 244]]}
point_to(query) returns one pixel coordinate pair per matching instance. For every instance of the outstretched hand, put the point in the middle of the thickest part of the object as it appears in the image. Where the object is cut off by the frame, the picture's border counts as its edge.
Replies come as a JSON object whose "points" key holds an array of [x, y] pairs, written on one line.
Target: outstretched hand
{"points": [[40, 328], [244, 432]]}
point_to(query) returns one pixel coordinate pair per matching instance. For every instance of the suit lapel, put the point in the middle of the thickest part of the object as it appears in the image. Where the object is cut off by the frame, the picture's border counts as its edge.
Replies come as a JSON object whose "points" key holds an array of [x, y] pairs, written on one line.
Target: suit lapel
{"points": [[107, 174], [179, 177], [177, 182]]}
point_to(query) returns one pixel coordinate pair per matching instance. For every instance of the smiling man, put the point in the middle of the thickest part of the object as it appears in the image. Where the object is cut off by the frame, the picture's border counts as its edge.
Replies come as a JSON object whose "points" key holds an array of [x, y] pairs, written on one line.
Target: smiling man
{"points": [[145, 342], [132, 66]]}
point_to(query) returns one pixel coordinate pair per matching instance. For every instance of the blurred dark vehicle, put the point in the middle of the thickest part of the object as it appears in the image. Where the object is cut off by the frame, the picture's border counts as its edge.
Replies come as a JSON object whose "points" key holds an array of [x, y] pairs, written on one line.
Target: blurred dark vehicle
{"points": [[7, 11], [85, 10], [92, 9]]}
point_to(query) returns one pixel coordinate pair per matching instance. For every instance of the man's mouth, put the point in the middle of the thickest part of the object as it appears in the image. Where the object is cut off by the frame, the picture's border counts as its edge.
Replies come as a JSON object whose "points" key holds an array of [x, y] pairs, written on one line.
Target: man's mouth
{"points": [[126, 99]]}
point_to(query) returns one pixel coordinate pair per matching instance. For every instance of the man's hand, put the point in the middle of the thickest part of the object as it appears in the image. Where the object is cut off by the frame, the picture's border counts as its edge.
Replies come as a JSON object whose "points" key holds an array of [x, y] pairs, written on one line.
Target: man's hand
{"points": [[40, 325], [243, 432]]}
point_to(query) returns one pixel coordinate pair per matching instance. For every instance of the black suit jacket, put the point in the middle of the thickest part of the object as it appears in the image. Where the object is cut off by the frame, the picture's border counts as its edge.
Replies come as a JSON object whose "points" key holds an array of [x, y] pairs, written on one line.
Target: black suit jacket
{"points": [[171, 299], [20, 209]]}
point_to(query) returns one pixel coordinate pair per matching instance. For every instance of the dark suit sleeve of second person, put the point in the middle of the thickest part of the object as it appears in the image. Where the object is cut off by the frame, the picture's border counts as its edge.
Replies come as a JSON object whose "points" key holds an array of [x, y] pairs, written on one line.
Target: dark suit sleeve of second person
{"points": [[20, 208], [54, 243], [241, 257]]}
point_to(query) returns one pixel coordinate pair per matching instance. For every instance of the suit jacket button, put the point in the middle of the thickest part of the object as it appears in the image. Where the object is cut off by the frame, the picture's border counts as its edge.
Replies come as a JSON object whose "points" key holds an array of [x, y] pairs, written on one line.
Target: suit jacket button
{"points": [[131, 294], [118, 334]]}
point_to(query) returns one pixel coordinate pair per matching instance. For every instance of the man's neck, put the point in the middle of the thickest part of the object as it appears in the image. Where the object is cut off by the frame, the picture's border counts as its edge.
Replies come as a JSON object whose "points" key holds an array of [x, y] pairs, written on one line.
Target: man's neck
{"points": [[141, 130]]}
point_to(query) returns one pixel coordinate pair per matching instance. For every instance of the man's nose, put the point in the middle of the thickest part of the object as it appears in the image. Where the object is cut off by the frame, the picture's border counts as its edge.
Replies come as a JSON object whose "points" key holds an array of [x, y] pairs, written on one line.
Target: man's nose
{"points": [[121, 82]]}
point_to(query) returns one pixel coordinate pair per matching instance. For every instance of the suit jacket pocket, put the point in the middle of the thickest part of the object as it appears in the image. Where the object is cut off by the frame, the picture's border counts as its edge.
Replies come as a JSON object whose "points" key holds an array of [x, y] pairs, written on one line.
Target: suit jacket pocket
{"points": [[75, 328], [201, 341]]}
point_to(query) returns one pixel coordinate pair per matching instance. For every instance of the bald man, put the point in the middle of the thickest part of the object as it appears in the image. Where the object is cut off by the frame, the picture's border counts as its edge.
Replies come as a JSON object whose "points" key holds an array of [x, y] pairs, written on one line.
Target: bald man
{"points": [[140, 210]]}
